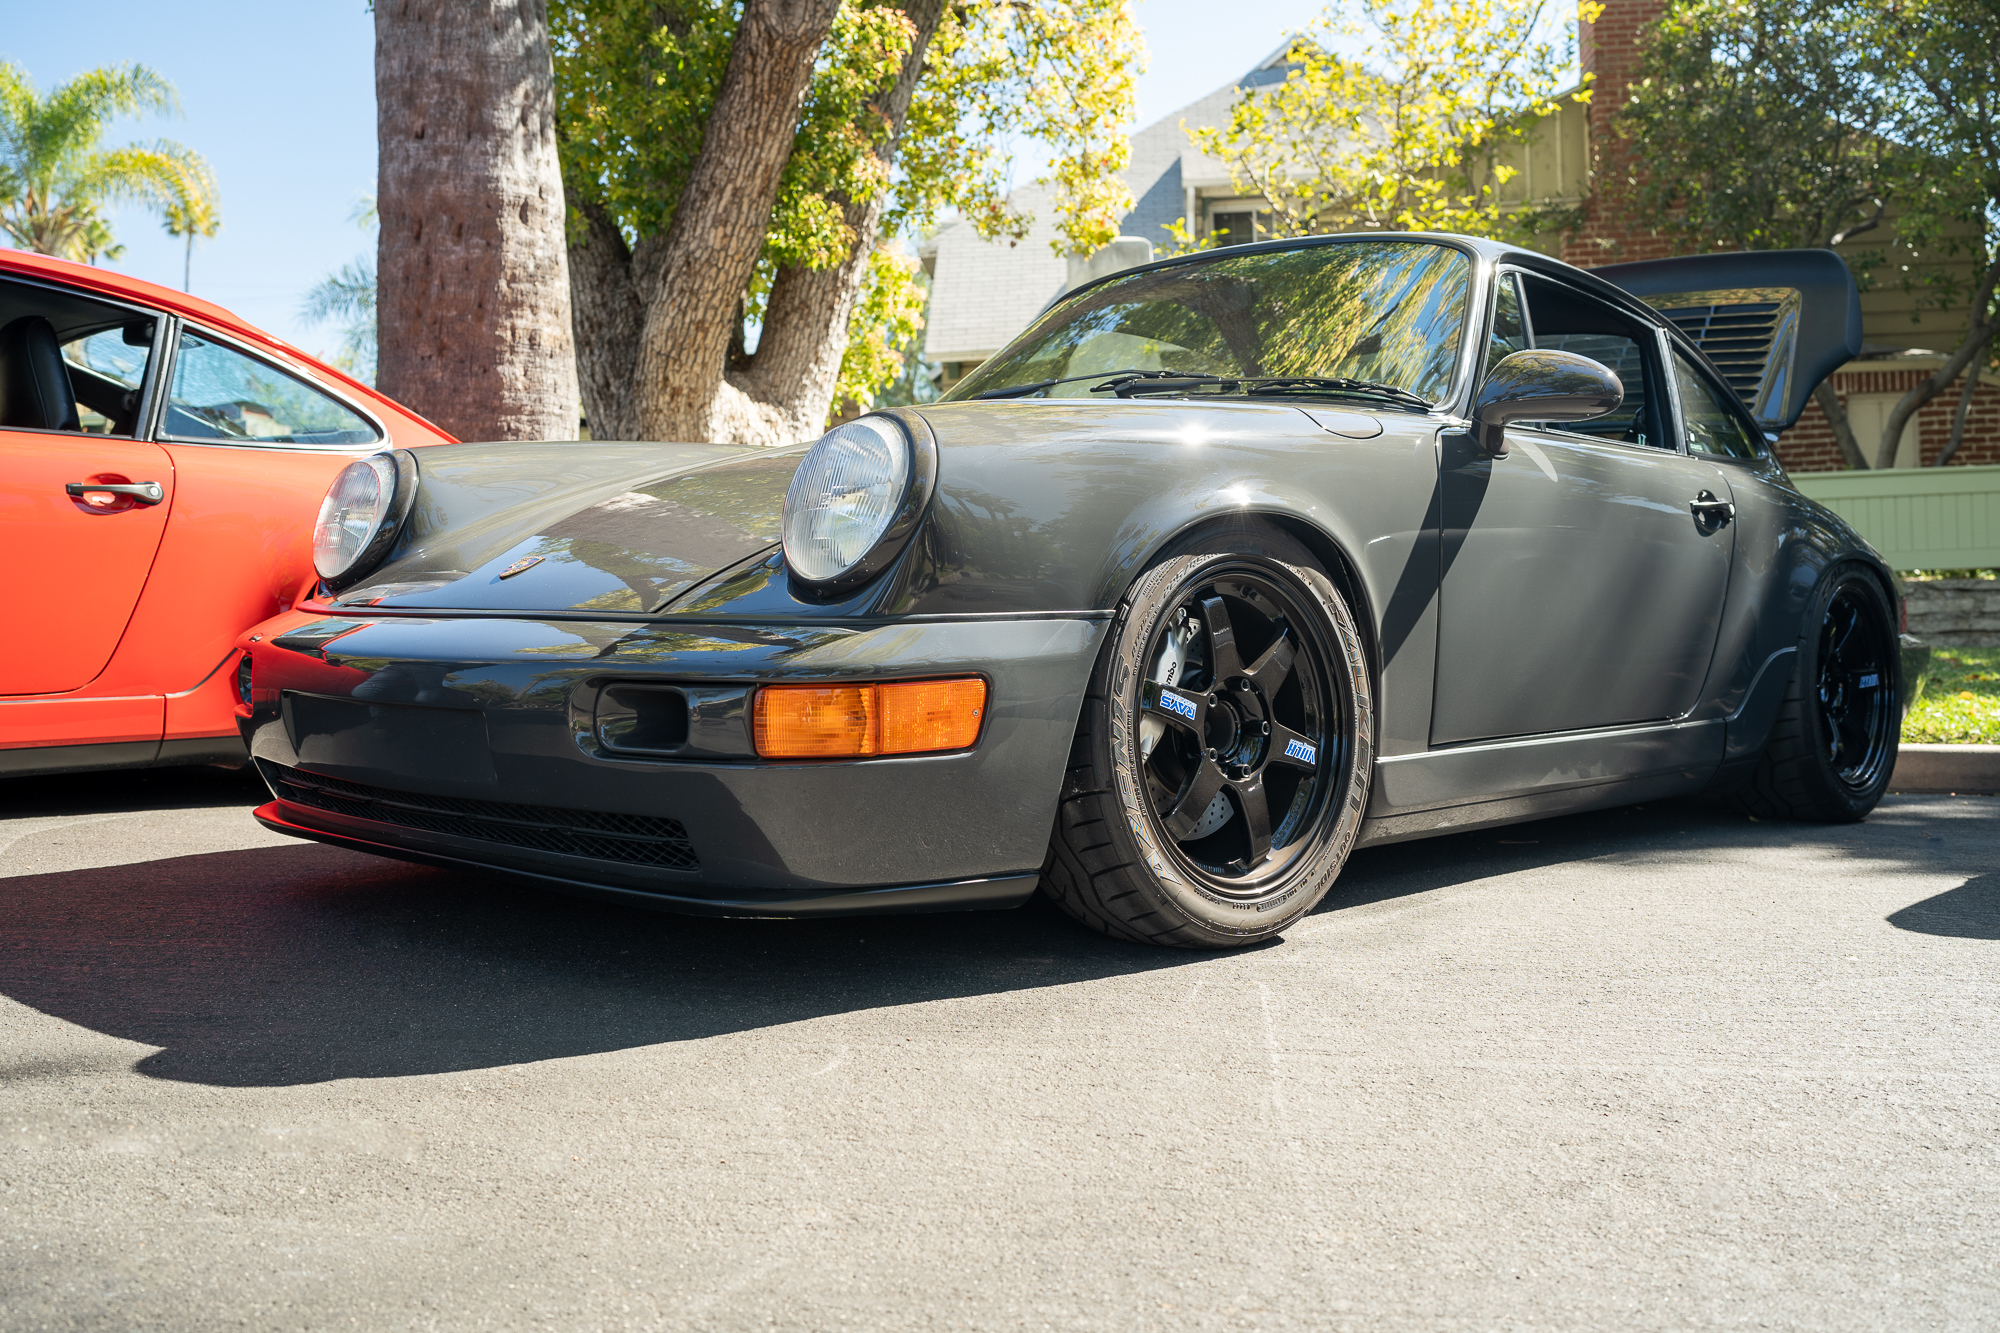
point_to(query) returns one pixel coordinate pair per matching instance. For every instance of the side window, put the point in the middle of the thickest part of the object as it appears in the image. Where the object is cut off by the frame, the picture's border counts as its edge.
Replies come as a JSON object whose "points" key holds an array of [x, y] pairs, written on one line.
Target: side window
{"points": [[107, 370], [1510, 333], [1711, 427], [1568, 320], [69, 362], [220, 394]]}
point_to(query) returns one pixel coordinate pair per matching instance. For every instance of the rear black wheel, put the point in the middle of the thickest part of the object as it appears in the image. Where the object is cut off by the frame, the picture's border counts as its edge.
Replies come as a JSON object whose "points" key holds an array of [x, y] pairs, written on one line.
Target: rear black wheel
{"points": [[1833, 747], [1221, 766]]}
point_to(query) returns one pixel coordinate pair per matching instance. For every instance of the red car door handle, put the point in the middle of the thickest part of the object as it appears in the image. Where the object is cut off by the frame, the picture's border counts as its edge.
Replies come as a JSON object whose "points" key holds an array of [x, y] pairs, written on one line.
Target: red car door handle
{"points": [[145, 492]]}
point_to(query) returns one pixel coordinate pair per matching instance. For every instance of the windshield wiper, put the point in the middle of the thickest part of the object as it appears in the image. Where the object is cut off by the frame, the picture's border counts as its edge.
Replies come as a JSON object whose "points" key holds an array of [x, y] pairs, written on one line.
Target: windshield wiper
{"points": [[1111, 376], [1352, 388], [1272, 386]]}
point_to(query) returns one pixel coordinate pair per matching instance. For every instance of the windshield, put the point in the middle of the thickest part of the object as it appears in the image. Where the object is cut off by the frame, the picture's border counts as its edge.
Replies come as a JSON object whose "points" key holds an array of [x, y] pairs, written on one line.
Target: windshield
{"points": [[1381, 312]]}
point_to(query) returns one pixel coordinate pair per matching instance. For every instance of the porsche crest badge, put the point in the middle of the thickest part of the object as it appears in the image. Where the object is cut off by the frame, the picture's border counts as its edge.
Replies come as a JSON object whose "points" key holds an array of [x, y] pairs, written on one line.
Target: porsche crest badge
{"points": [[520, 566]]}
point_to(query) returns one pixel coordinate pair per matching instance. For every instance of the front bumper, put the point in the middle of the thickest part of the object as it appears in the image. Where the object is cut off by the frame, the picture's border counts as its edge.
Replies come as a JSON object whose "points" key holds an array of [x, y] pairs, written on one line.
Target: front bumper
{"points": [[474, 743]]}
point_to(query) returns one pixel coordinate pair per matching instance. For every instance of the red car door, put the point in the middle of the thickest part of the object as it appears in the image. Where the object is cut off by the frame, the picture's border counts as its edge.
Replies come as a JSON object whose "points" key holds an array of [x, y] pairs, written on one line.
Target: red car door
{"points": [[81, 517]]}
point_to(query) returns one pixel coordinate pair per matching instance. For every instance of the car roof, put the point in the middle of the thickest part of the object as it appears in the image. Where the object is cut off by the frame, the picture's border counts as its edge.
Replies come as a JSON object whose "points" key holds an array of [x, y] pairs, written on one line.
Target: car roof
{"points": [[1490, 251], [123, 286]]}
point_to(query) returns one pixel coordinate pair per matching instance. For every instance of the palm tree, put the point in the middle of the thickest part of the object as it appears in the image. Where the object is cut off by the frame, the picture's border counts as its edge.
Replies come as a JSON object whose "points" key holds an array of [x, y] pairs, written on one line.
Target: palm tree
{"points": [[346, 296], [191, 222], [56, 175]]}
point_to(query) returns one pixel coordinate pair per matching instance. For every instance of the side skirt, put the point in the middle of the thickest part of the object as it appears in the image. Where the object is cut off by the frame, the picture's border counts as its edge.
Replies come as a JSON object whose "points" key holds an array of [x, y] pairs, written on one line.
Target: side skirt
{"points": [[1504, 782]]}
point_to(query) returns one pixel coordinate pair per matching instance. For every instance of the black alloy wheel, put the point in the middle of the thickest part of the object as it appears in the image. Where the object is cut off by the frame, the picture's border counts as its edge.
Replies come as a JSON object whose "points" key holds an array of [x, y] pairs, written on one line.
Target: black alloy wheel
{"points": [[1832, 748], [1222, 763], [1857, 669], [1237, 740]]}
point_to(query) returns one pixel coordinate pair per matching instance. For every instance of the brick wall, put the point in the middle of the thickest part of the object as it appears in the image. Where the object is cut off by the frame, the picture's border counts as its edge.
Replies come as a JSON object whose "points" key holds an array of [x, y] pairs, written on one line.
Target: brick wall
{"points": [[1609, 52], [1809, 446]]}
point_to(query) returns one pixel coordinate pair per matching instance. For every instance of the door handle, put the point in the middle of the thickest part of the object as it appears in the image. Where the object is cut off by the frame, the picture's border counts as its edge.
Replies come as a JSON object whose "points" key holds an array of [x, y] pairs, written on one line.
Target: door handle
{"points": [[1710, 513], [145, 492]]}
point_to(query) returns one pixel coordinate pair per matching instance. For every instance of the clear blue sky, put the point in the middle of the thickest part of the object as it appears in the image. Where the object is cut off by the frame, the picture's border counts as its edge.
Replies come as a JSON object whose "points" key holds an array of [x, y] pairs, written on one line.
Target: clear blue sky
{"points": [[280, 98]]}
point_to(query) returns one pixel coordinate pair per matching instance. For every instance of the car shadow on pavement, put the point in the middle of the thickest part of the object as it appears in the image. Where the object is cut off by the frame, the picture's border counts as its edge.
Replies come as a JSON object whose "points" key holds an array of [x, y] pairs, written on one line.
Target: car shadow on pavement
{"points": [[284, 965], [1912, 835], [297, 964], [1969, 912]]}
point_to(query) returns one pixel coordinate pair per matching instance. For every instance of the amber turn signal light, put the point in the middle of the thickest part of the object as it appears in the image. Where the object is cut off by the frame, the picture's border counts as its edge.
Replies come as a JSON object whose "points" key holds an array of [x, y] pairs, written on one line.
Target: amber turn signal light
{"points": [[849, 721]]}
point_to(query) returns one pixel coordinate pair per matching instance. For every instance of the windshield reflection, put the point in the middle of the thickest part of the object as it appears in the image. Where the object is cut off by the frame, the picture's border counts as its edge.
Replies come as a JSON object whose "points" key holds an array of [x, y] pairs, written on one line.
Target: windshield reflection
{"points": [[1389, 312]]}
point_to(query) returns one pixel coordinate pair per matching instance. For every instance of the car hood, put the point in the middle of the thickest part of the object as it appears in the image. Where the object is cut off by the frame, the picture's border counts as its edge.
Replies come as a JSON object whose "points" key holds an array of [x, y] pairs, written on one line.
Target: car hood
{"points": [[576, 526]]}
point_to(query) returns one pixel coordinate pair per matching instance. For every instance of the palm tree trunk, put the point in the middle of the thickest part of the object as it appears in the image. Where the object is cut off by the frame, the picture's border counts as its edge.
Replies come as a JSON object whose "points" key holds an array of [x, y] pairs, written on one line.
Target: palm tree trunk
{"points": [[473, 282]]}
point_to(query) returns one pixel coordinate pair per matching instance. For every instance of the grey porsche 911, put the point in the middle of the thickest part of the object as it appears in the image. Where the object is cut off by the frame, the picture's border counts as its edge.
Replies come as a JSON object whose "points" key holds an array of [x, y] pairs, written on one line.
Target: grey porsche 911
{"points": [[1228, 565]]}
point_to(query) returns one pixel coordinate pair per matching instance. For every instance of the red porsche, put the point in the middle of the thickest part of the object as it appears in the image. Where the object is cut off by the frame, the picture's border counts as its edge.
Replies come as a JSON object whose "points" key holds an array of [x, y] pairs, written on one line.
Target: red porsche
{"points": [[161, 463]]}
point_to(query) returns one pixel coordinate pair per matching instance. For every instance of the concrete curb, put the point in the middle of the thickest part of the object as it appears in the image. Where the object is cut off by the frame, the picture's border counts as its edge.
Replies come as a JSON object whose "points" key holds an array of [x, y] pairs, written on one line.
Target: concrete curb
{"points": [[1947, 768]]}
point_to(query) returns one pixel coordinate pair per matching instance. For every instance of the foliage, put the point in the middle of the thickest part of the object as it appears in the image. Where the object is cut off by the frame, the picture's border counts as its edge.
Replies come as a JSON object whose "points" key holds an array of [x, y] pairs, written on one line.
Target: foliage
{"points": [[56, 176], [1411, 140], [635, 80], [1760, 125], [1943, 60], [1763, 123], [886, 337], [1960, 704]]}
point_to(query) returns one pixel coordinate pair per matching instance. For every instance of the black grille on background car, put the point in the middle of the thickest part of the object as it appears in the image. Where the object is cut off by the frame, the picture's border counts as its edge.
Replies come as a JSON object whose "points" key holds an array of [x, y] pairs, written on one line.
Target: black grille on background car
{"points": [[646, 840], [1736, 337]]}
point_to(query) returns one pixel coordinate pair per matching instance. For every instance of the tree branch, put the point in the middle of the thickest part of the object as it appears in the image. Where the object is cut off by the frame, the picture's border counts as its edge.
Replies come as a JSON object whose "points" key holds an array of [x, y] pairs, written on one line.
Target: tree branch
{"points": [[1983, 327], [718, 229], [1964, 410], [1843, 431]]}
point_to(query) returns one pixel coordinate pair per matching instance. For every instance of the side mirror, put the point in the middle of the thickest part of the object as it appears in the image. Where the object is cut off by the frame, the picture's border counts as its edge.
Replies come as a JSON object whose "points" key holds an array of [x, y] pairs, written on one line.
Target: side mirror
{"points": [[1541, 386]]}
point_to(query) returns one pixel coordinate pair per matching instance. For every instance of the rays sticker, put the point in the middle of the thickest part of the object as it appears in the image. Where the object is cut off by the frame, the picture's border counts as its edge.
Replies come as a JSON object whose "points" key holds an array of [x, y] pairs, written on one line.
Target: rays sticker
{"points": [[1869, 681], [1301, 751], [1174, 703]]}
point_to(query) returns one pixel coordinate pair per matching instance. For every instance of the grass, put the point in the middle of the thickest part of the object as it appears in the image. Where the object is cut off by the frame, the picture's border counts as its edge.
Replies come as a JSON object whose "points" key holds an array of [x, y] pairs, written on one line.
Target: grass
{"points": [[1961, 704]]}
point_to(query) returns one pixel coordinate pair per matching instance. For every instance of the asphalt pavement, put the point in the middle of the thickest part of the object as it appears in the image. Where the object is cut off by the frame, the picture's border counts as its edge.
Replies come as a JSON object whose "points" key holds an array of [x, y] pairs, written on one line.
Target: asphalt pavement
{"points": [[1656, 1068]]}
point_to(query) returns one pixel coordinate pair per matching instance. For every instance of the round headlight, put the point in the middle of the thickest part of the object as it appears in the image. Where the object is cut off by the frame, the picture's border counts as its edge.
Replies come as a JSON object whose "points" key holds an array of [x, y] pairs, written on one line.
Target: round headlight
{"points": [[848, 493], [354, 518]]}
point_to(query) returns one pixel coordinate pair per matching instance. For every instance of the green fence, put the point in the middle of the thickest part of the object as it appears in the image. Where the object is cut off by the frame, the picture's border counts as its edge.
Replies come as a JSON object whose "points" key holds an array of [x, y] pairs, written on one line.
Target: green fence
{"points": [[1918, 517]]}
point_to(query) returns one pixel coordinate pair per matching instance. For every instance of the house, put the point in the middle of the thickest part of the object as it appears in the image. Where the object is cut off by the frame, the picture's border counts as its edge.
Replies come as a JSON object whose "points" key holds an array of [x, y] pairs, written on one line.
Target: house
{"points": [[984, 293]]}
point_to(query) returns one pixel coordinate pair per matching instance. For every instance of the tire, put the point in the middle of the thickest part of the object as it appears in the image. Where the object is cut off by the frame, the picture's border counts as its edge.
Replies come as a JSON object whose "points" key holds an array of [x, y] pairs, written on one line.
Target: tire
{"points": [[1156, 839], [1832, 748]]}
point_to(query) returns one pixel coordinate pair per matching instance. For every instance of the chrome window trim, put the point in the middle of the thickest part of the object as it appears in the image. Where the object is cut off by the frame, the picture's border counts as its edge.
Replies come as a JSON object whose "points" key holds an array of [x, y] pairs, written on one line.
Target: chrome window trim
{"points": [[166, 330], [382, 441]]}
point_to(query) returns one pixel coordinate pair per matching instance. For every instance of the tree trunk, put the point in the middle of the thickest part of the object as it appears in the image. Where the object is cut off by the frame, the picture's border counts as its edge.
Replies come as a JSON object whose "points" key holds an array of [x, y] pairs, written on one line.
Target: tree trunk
{"points": [[658, 330], [805, 323], [472, 277], [1965, 396], [718, 228], [1843, 431], [607, 318], [1981, 330]]}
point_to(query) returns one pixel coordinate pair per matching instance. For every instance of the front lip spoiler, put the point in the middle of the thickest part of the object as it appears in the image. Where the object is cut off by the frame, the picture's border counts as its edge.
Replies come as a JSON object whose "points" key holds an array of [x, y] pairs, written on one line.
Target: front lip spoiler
{"points": [[998, 893]]}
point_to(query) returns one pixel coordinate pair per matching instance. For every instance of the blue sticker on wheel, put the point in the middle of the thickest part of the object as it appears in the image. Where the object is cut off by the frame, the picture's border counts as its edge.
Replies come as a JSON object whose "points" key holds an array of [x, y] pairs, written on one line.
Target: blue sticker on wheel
{"points": [[1174, 703], [1869, 681], [1301, 751]]}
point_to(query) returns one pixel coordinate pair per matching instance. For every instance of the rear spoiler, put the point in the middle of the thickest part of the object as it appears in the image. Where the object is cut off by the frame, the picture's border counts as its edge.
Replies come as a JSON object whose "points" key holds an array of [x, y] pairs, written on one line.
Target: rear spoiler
{"points": [[1775, 322]]}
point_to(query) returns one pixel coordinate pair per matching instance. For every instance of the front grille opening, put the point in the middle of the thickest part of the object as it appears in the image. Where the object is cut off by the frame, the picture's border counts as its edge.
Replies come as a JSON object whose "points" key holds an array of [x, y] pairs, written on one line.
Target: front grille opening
{"points": [[646, 840], [642, 719]]}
